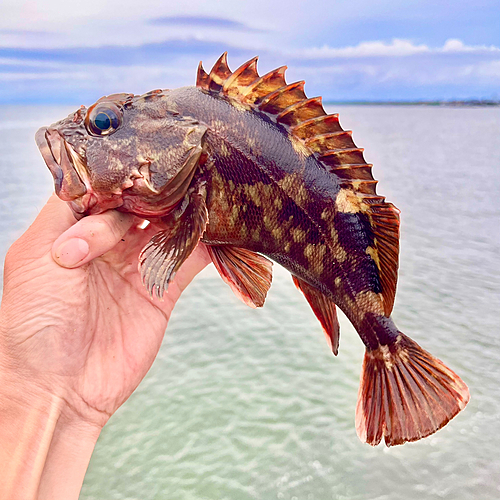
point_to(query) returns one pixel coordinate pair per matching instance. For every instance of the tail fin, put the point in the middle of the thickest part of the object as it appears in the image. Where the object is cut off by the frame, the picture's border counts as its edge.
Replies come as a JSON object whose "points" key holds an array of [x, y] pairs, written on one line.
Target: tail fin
{"points": [[406, 394]]}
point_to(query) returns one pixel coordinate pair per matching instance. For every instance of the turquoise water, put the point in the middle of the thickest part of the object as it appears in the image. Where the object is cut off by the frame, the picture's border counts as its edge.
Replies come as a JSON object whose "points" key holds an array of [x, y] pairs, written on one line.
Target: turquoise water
{"points": [[250, 404]]}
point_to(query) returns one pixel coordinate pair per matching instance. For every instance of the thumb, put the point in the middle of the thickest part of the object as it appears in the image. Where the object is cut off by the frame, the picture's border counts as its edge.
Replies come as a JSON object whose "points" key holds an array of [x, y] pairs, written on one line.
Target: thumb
{"points": [[90, 237]]}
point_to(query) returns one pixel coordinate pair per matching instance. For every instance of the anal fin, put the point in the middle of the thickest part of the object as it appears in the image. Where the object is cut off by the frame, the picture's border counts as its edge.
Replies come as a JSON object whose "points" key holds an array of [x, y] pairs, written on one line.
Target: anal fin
{"points": [[247, 273], [324, 309], [406, 394]]}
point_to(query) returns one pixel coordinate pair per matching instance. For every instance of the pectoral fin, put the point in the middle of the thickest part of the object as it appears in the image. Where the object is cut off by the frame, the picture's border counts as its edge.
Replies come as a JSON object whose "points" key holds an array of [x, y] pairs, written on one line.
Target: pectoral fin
{"points": [[325, 311], [162, 257], [247, 273]]}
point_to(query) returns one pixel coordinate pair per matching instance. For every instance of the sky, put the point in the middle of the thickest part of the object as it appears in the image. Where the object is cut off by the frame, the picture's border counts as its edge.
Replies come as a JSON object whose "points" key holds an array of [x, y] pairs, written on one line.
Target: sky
{"points": [[64, 51]]}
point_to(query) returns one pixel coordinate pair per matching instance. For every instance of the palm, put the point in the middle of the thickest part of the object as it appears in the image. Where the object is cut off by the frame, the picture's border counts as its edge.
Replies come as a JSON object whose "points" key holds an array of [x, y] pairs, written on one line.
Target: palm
{"points": [[95, 330]]}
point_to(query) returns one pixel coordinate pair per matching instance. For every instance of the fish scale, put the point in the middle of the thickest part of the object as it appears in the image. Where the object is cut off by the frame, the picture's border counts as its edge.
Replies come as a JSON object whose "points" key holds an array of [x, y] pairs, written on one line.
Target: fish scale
{"points": [[258, 171]]}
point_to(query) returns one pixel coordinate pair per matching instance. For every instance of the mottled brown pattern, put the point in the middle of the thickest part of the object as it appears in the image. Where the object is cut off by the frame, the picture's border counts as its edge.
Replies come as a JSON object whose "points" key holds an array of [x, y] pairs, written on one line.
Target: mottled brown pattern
{"points": [[254, 168]]}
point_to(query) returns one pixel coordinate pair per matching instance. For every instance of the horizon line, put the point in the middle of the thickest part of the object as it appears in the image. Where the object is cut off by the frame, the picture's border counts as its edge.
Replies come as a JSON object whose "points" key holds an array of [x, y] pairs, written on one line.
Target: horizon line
{"points": [[397, 102]]}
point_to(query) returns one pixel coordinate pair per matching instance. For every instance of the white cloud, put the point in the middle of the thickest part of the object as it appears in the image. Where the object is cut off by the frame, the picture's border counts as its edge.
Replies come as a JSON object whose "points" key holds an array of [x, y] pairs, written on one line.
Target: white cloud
{"points": [[30, 63], [366, 49], [489, 69], [107, 79], [455, 45], [396, 48], [12, 77]]}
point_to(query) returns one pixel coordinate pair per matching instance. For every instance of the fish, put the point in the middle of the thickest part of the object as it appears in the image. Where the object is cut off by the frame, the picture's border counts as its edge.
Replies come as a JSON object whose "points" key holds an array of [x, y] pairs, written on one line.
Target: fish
{"points": [[260, 173]]}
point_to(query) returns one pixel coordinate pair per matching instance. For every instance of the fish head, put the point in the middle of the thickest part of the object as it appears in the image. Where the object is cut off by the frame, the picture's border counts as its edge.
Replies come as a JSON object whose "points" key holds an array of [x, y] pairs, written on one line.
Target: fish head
{"points": [[133, 153]]}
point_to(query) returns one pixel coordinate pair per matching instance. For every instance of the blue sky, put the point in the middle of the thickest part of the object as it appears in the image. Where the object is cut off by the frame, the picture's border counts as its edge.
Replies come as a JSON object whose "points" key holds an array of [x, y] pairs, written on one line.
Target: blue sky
{"points": [[74, 52]]}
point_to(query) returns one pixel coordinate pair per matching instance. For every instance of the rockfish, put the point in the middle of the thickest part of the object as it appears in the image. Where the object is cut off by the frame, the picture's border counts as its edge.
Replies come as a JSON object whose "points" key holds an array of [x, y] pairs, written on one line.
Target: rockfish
{"points": [[256, 170]]}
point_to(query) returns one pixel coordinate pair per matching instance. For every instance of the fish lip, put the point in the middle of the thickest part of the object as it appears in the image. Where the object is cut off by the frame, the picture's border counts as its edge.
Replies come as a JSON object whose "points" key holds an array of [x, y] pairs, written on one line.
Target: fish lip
{"points": [[71, 175], [59, 158], [48, 157]]}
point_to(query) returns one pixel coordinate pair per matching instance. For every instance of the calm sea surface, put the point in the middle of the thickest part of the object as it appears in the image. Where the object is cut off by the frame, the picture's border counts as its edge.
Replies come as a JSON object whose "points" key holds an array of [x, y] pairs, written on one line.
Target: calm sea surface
{"points": [[250, 404]]}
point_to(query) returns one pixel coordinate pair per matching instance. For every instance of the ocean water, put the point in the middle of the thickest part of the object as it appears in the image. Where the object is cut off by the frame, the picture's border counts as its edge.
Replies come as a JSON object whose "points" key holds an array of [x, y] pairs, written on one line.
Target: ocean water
{"points": [[250, 404]]}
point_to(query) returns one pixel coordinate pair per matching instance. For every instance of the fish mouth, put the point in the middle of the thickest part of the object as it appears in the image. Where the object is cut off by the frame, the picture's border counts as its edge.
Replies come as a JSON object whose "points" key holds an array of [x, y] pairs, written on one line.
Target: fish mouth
{"points": [[66, 166], [71, 176], [136, 195]]}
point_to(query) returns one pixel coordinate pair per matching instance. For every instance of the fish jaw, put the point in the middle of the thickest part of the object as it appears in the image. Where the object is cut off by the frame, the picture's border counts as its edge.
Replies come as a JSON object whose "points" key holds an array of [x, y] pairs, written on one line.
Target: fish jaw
{"points": [[73, 184], [71, 178], [137, 168], [68, 182]]}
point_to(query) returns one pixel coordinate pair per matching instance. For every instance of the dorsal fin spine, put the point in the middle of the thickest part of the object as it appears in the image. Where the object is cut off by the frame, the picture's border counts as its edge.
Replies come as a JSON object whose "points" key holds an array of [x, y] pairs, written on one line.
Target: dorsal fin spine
{"points": [[315, 126], [267, 83], [321, 137], [365, 186], [202, 79], [301, 111], [348, 166], [298, 105], [282, 91], [234, 80], [353, 172], [336, 152], [219, 73]]}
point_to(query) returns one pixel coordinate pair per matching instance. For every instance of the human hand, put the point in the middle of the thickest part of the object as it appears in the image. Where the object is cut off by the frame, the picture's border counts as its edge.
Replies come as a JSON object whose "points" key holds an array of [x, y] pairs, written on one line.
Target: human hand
{"points": [[76, 341]]}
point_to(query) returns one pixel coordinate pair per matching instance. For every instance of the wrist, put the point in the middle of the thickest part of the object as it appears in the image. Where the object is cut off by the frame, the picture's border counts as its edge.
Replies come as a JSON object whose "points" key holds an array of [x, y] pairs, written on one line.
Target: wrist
{"points": [[44, 447], [68, 457], [28, 419]]}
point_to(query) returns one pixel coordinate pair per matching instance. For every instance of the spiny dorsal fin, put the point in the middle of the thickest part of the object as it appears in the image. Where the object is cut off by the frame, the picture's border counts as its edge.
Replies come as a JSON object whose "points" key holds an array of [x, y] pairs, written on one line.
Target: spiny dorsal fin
{"points": [[279, 100], [301, 111], [219, 73], [306, 121], [202, 78], [241, 78], [264, 85], [323, 124]]}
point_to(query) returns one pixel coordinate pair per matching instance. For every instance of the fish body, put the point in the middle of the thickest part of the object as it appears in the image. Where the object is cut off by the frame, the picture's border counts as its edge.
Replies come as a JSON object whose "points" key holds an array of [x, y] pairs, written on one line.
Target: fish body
{"points": [[270, 195], [256, 170]]}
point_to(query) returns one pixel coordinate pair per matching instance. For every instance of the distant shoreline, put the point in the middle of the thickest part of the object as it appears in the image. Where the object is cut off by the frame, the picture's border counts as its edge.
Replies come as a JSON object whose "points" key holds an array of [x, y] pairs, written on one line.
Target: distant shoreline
{"points": [[458, 103], [469, 103]]}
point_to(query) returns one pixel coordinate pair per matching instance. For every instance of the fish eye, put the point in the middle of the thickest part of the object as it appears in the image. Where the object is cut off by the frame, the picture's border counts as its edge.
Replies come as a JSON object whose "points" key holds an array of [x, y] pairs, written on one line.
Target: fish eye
{"points": [[103, 119]]}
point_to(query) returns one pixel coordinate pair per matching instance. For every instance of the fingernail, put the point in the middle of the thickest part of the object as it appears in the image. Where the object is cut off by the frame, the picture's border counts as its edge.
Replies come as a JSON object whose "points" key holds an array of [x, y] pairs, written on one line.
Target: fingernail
{"points": [[71, 252]]}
